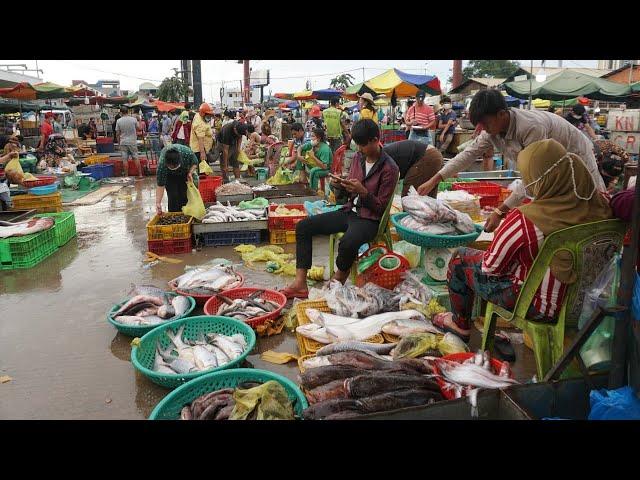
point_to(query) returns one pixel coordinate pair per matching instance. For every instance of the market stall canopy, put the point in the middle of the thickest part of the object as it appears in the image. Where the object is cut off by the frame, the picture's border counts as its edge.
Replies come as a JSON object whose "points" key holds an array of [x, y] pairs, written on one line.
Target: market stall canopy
{"points": [[100, 101], [288, 105], [353, 91], [327, 94], [10, 105], [284, 96], [167, 106], [567, 85], [304, 95], [38, 91], [403, 84]]}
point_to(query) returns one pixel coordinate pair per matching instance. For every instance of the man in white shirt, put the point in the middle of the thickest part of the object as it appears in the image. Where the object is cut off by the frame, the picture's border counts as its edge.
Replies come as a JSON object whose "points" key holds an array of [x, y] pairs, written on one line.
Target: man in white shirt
{"points": [[255, 120], [510, 131]]}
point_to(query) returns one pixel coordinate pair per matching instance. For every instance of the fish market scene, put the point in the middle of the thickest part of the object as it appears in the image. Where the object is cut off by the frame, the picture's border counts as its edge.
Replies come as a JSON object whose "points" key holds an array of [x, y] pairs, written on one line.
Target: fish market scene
{"points": [[321, 240]]}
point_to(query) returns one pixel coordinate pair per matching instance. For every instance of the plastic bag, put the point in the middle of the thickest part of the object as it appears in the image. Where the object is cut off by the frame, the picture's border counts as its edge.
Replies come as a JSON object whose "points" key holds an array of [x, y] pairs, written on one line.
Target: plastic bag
{"points": [[635, 299], [195, 205], [427, 209], [269, 400], [464, 224], [318, 207], [283, 176], [13, 171], [255, 204], [415, 345], [451, 343], [602, 292], [409, 251], [205, 168], [619, 404]]}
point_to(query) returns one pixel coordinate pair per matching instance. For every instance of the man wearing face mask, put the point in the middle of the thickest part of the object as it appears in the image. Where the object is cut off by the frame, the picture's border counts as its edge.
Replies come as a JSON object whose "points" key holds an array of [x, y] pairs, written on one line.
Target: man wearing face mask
{"points": [[510, 130], [201, 139], [447, 124], [177, 166]]}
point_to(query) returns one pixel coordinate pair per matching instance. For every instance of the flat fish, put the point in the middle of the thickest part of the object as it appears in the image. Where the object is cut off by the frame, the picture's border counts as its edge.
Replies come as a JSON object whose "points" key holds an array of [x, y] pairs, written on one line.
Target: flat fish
{"points": [[374, 349], [19, 229], [400, 399]]}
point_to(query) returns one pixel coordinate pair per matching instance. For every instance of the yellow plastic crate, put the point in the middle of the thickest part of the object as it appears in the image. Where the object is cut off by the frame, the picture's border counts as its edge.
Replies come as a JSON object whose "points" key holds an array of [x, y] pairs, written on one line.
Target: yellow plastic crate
{"points": [[168, 232], [93, 159], [51, 203], [280, 237]]}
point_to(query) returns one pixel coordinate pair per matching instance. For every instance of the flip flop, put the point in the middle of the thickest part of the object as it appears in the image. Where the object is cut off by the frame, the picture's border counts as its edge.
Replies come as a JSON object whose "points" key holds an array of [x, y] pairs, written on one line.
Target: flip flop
{"points": [[438, 321], [503, 348], [289, 293]]}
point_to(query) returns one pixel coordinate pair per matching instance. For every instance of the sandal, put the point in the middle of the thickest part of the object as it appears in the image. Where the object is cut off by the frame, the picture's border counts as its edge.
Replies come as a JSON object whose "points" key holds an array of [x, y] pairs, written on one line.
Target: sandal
{"points": [[503, 348], [443, 322], [290, 293]]}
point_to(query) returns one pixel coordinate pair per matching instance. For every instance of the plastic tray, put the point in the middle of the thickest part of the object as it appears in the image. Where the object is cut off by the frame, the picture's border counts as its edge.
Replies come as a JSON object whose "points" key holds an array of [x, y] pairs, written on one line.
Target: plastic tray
{"points": [[281, 237], [168, 232], [277, 222], [202, 299], [217, 239], [207, 187], [138, 331], [41, 203], [65, 226], [169, 247], [144, 354], [212, 305], [41, 181], [27, 251], [45, 189], [308, 346], [433, 241], [95, 171], [381, 277], [170, 406]]}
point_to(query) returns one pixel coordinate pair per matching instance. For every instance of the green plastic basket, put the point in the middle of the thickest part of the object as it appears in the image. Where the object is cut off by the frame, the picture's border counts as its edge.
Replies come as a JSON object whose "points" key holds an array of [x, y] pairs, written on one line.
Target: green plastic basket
{"points": [[432, 241], [138, 331], [170, 406], [144, 354], [27, 251], [65, 226]]}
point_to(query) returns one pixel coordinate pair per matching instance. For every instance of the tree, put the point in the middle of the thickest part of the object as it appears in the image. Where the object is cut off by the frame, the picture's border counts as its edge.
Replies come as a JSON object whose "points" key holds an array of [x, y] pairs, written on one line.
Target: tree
{"points": [[172, 89], [342, 82], [490, 68]]}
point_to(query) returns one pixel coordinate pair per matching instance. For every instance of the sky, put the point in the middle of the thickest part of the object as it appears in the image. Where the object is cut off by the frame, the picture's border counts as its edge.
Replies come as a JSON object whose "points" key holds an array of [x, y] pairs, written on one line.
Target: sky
{"points": [[286, 75]]}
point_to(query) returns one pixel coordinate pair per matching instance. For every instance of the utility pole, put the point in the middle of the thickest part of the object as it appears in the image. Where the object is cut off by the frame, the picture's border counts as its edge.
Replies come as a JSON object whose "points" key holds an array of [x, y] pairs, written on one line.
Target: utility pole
{"points": [[185, 69], [362, 74], [457, 74], [247, 86], [530, 84], [197, 83]]}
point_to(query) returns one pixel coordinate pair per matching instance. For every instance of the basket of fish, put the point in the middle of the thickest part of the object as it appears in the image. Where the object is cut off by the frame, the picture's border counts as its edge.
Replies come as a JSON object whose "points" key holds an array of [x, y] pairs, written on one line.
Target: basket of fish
{"points": [[203, 283], [179, 351], [169, 226], [254, 306], [235, 394], [146, 308]]}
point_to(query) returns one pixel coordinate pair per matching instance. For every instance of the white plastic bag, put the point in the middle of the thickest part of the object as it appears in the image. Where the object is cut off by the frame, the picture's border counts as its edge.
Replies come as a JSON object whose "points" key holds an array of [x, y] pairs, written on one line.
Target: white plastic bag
{"points": [[602, 292]]}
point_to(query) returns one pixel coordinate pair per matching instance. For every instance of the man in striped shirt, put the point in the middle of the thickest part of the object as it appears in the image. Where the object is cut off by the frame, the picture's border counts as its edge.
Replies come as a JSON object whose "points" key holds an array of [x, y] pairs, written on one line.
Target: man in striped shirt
{"points": [[420, 118]]}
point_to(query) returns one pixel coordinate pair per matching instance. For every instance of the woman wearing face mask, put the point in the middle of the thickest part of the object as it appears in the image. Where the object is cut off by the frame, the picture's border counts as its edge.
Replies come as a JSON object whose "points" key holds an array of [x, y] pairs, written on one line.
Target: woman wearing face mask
{"points": [[177, 166], [497, 274], [182, 129], [318, 158], [201, 140], [447, 124]]}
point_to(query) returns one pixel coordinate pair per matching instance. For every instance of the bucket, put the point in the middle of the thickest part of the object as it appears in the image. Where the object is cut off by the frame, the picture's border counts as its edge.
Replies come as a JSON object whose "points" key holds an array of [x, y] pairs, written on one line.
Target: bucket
{"points": [[84, 184], [261, 173]]}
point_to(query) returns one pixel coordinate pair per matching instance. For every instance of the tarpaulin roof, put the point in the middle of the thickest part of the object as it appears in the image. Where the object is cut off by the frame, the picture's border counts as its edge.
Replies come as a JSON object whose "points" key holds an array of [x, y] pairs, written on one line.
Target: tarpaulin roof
{"points": [[567, 85], [284, 96], [288, 105], [100, 101], [358, 89], [167, 106], [304, 95], [404, 84], [327, 93], [10, 105], [38, 91]]}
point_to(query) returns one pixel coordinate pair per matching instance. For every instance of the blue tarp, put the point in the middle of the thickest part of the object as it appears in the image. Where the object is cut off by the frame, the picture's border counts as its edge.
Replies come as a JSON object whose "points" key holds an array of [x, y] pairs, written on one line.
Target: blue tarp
{"points": [[327, 93]]}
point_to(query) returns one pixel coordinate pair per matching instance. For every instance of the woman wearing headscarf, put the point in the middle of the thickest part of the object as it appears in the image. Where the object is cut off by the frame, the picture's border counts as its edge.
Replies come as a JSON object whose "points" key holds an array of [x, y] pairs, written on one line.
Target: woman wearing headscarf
{"points": [[564, 196], [182, 129]]}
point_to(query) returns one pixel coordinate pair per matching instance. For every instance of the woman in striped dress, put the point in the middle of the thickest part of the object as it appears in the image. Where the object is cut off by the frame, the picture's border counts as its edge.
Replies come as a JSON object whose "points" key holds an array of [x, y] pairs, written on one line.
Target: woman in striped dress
{"points": [[564, 195]]}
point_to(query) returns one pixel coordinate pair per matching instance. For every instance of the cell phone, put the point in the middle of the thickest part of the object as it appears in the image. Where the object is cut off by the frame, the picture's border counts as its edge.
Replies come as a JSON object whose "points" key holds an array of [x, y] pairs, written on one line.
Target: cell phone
{"points": [[336, 177]]}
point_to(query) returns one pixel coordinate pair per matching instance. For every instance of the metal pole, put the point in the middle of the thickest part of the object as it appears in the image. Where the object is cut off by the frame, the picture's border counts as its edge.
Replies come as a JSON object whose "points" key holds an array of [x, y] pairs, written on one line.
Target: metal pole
{"points": [[530, 84], [630, 72], [197, 82]]}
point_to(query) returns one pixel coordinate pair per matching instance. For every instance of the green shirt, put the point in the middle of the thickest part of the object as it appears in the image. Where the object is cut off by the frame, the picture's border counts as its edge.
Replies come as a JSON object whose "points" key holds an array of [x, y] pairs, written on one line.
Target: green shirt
{"points": [[187, 160], [323, 153], [332, 118]]}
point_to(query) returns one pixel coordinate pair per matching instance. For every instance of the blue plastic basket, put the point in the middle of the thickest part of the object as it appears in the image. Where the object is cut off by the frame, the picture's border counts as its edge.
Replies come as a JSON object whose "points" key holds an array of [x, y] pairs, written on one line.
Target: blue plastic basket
{"points": [[217, 239], [44, 190], [95, 171], [170, 406], [429, 240], [107, 170]]}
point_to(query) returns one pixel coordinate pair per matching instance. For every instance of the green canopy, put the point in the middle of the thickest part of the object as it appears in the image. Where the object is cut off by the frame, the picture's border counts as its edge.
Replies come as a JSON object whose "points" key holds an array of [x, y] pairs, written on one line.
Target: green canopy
{"points": [[9, 105], [567, 85], [635, 87], [358, 89]]}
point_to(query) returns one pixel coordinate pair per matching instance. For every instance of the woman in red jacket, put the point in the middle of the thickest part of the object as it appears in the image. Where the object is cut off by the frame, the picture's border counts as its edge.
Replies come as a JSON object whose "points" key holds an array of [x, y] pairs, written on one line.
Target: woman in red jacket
{"points": [[182, 129]]}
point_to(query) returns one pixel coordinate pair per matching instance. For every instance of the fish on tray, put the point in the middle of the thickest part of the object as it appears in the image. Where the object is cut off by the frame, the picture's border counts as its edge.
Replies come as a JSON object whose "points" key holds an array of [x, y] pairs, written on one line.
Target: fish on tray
{"points": [[208, 351], [150, 306], [19, 229], [247, 308], [208, 279]]}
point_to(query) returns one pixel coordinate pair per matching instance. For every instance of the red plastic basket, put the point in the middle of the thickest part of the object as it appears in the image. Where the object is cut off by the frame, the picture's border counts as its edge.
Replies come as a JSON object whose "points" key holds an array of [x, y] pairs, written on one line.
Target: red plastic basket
{"points": [[276, 222], [212, 305], [449, 394], [488, 192], [133, 169], [169, 247], [202, 299], [117, 166], [207, 187], [384, 278], [41, 181]]}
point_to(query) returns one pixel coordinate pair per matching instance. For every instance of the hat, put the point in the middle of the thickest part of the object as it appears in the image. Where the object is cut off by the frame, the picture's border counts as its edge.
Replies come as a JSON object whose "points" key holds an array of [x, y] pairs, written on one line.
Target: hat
{"points": [[367, 96], [315, 111], [48, 115], [578, 109], [205, 109], [421, 94]]}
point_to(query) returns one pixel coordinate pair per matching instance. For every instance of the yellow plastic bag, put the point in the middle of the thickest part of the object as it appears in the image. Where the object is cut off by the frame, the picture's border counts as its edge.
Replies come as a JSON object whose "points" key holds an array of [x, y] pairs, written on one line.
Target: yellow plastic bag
{"points": [[13, 171], [195, 205], [205, 168]]}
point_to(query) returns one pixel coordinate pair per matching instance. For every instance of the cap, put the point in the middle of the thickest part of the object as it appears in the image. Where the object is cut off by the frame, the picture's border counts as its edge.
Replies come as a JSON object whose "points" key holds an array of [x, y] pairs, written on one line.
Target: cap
{"points": [[367, 96], [421, 94], [205, 109], [154, 114], [578, 109], [315, 111]]}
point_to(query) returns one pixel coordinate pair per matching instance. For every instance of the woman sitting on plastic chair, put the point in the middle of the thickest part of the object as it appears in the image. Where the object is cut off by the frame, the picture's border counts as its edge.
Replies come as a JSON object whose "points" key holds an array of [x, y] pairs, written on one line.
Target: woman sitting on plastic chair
{"points": [[564, 196], [370, 187], [318, 156]]}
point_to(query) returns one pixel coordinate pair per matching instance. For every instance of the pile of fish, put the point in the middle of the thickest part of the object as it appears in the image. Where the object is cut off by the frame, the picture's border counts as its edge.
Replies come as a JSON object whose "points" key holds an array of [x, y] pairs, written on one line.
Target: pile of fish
{"points": [[219, 213], [233, 188], [245, 309], [263, 187], [248, 401], [173, 219], [19, 229], [412, 289], [428, 215], [206, 281], [328, 328], [352, 301], [208, 351], [150, 306], [350, 379]]}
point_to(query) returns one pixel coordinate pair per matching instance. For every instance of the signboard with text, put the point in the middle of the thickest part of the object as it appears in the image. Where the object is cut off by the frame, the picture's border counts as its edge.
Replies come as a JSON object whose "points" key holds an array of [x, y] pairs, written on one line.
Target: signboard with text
{"points": [[630, 141], [623, 120]]}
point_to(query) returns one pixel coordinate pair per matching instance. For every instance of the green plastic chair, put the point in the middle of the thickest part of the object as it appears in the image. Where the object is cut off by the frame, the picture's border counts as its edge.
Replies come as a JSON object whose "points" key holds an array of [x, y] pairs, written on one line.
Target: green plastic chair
{"points": [[383, 235], [591, 245]]}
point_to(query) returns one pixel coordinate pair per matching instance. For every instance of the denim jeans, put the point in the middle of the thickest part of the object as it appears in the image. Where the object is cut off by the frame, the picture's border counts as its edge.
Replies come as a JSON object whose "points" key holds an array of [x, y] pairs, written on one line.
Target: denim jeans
{"points": [[426, 138]]}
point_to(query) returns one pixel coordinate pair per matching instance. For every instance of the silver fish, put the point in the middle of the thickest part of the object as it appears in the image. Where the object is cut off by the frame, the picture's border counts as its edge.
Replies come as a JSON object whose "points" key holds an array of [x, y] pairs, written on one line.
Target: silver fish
{"points": [[129, 319], [166, 311], [204, 358], [402, 328], [150, 290], [139, 299], [229, 347], [19, 229], [180, 305], [374, 349], [474, 375]]}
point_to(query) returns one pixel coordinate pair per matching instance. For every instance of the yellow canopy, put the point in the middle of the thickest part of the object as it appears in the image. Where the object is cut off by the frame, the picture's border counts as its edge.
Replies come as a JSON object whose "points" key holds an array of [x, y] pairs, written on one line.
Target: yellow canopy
{"points": [[540, 103], [304, 95]]}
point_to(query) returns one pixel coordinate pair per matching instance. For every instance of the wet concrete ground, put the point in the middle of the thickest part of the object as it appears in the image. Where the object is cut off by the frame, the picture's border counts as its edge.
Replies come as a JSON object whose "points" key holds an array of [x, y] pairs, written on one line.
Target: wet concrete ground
{"points": [[66, 361]]}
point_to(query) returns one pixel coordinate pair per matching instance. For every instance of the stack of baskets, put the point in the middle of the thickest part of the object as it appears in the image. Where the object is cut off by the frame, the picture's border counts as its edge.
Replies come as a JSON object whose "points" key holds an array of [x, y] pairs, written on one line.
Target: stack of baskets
{"points": [[282, 229], [169, 239]]}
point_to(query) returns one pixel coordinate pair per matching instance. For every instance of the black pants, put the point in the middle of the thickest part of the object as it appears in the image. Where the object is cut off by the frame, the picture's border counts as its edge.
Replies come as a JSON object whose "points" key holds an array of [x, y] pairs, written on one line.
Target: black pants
{"points": [[176, 192], [357, 232]]}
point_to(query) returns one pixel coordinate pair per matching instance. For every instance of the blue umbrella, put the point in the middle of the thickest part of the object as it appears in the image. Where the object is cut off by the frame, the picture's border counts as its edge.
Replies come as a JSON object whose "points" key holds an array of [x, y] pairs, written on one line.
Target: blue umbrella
{"points": [[327, 93]]}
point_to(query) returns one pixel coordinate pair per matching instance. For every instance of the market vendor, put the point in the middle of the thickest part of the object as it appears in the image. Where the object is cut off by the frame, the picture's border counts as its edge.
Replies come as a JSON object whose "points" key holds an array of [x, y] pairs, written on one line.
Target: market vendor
{"points": [[317, 158], [565, 196], [370, 186], [334, 120], [10, 151], [228, 147], [201, 134], [578, 118], [420, 119], [177, 166], [418, 162], [341, 166], [367, 108], [253, 141], [297, 132], [46, 129], [510, 130], [128, 141]]}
